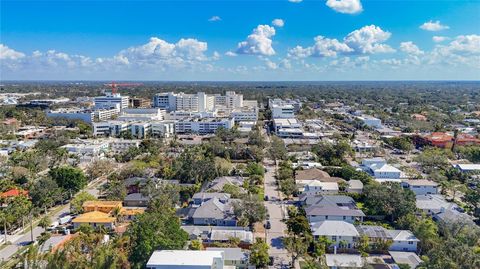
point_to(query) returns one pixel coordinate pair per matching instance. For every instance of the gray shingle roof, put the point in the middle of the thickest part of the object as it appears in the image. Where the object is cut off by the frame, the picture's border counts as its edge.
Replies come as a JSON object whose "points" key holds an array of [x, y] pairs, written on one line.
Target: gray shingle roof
{"points": [[213, 209]]}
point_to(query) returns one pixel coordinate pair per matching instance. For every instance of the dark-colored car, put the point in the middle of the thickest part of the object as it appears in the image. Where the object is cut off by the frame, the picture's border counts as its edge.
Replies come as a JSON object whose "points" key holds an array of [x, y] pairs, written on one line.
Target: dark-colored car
{"points": [[268, 225], [270, 261], [265, 198]]}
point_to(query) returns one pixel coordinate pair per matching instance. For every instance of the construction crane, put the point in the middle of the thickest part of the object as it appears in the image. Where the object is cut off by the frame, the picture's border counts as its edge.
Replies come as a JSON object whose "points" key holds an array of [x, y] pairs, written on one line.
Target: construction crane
{"points": [[114, 85]]}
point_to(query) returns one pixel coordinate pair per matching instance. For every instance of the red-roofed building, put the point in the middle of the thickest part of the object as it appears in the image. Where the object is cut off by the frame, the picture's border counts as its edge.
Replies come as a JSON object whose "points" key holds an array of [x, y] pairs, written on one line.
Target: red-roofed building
{"points": [[419, 117], [444, 140], [13, 193]]}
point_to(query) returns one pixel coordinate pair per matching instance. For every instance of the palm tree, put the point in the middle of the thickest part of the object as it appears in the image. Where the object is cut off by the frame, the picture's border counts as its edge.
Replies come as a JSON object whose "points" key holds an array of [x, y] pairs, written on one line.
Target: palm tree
{"points": [[116, 213], [45, 222], [455, 136], [33, 258]]}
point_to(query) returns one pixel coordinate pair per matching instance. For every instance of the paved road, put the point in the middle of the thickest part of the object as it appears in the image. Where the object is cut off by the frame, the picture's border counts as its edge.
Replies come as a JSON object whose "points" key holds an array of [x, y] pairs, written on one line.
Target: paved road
{"points": [[276, 211], [19, 240]]}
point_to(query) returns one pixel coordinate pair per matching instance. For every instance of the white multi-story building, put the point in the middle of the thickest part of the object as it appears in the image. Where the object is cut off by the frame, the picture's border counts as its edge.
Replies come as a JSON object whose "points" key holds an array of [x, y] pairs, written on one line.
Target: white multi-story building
{"points": [[178, 115], [122, 145], [296, 104], [110, 128], [111, 100], [165, 100], [184, 102], [203, 125], [140, 129], [200, 101], [205, 102], [162, 128], [282, 111], [279, 124], [90, 148], [142, 114], [371, 121], [246, 126], [85, 115], [229, 100], [72, 114], [244, 114]]}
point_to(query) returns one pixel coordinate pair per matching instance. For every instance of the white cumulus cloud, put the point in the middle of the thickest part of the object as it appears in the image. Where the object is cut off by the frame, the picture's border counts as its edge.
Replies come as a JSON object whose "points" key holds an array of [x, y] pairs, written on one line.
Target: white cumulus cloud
{"points": [[323, 47], [345, 6], [465, 44], [7, 53], [369, 39], [160, 52], [215, 18], [433, 26], [462, 50], [410, 48], [230, 53], [259, 42], [157, 54], [278, 23], [366, 40], [438, 39]]}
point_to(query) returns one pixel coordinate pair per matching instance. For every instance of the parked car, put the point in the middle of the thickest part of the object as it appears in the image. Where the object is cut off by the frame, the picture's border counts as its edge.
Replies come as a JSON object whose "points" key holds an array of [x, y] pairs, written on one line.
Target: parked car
{"points": [[265, 198], [268, 225], [53, 226], [270, 261], [65, 219]]}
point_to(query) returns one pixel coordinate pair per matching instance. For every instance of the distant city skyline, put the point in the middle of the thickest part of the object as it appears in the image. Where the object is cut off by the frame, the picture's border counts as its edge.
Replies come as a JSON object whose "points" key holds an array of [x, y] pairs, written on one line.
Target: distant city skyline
{"points": [[277, 40]]}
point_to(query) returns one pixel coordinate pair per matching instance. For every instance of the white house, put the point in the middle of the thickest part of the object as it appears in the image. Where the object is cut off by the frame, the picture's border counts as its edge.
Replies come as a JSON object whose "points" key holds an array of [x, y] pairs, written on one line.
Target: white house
{"points": [[468, 168], [403, 240], [316, 187], [186, 259], [342, 233], [235, 257], [380, 170], [432, 204], [354, 186], [335, 207], [422, 186]]}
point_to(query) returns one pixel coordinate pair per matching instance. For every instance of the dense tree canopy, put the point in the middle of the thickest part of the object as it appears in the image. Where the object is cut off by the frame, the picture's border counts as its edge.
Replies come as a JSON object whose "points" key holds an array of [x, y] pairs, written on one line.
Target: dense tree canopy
{"points": [[69, 178], [154, 230]]}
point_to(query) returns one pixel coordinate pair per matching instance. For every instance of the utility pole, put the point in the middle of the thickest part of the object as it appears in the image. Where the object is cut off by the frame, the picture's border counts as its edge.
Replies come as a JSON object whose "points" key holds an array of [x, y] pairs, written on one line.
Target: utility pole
{"points": [[31, 227], [5, 228]]}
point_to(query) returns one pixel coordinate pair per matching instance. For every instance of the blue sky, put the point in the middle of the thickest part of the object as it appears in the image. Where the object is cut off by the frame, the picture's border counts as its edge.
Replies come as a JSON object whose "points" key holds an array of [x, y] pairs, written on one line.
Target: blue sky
{"points": [[239, 40]]}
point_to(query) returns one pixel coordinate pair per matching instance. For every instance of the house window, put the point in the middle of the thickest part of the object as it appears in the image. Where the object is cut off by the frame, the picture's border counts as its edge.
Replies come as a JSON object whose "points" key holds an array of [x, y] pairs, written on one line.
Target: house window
{"points": [[410, 242], [326, 217], [344, 217], [334, 238]]}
